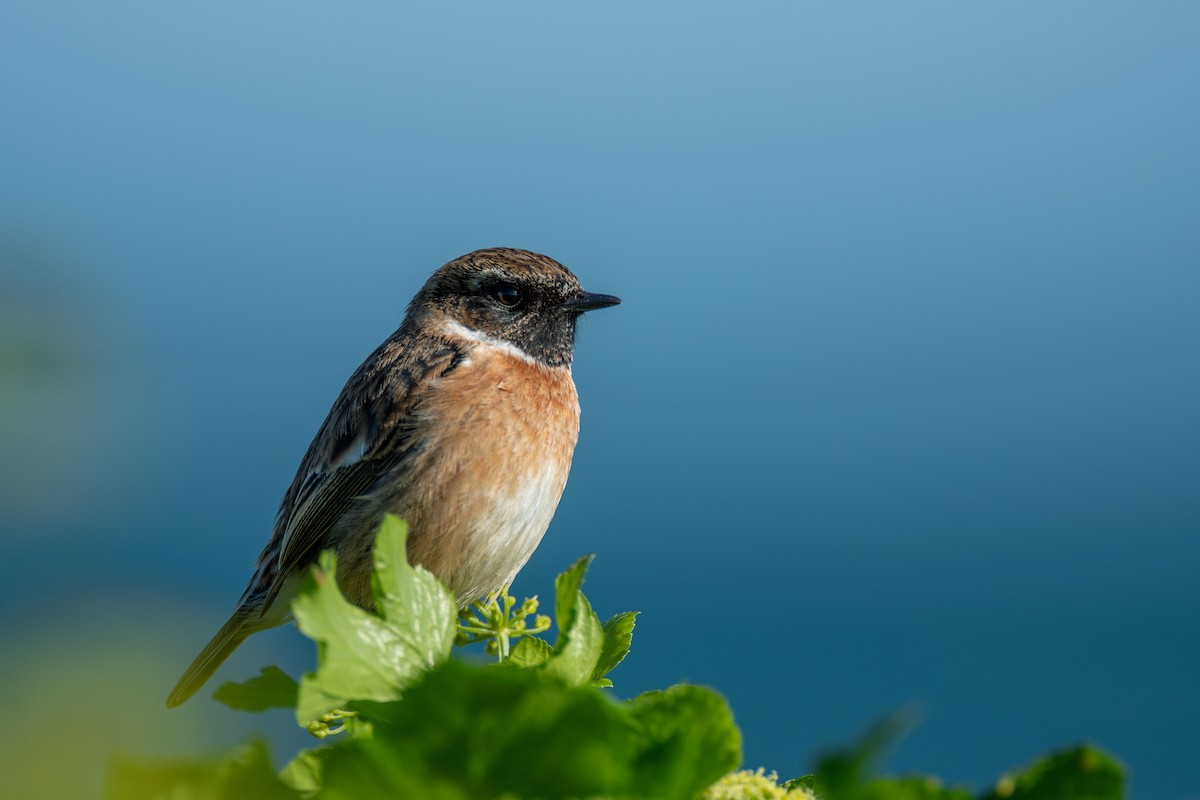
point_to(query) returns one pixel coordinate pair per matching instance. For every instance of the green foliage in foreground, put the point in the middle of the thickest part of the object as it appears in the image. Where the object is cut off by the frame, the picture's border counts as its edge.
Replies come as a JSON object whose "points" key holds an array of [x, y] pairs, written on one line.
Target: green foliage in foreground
{"points": [[401, 719]]}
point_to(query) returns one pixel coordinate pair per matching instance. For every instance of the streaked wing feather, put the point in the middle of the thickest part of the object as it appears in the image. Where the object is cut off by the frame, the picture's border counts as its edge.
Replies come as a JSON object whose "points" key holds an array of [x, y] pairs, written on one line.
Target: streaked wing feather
{"points": [[311, 526], [376, 408]]}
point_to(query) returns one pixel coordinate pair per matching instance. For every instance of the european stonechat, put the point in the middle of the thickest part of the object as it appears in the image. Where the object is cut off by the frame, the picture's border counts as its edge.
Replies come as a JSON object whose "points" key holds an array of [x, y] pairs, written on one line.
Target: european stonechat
{"points": [[463, 422]]}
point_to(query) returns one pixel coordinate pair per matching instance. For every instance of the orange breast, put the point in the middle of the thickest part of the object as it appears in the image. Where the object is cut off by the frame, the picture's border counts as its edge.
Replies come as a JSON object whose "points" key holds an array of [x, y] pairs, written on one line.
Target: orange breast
{"points": [[498, 436]]}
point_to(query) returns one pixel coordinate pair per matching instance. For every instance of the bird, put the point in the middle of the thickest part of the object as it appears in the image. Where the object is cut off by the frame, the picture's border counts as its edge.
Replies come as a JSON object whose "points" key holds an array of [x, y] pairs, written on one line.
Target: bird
{"points": [[463, 422]]}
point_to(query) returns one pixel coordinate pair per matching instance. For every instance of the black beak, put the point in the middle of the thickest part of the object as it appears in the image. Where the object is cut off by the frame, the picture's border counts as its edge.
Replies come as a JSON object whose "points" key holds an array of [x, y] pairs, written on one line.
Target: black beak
{"points": [[590, 302]]}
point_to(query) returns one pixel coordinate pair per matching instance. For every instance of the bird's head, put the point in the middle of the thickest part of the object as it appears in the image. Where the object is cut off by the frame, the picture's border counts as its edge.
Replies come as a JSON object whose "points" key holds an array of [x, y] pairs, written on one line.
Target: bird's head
{"points": [[523, 299]]}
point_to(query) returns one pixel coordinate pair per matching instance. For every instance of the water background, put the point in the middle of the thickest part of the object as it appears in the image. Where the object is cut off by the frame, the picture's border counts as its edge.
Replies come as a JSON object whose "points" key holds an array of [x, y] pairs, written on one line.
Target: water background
{"points": [[901, 406]]}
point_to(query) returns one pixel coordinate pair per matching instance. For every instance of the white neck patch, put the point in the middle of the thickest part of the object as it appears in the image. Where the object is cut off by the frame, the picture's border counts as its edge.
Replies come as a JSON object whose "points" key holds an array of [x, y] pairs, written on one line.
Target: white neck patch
{"points": [[453, 327]]}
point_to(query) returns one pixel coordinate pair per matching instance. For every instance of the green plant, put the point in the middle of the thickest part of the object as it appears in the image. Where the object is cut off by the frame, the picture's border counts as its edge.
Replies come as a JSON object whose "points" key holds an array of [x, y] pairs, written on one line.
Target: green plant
{"points": [[399, 718]]}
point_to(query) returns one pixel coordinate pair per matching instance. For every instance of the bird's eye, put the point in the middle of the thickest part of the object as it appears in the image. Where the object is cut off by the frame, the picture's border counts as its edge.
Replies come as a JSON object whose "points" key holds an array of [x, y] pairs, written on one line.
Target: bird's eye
{"points": [[507, 295]]}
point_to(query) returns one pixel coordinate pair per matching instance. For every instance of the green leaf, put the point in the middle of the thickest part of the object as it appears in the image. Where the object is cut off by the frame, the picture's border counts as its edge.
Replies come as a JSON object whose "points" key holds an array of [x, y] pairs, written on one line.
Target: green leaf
{"points": [[362, 656], [689, 741], [370, 770], [807, 783], [271, 688], [530, 652], [566, 587], [849, 772], [579, 646], [303, 773], [472, 732], [909, 787], [410, 598], [844, 772], [353, 648], [1081, 773], [580, 634], [246, 774], [618, 636]]}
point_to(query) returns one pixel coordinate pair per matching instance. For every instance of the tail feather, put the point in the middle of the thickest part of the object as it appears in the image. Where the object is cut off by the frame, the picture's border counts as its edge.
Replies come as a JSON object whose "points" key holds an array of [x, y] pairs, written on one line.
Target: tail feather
{"points": [[232, 633]]}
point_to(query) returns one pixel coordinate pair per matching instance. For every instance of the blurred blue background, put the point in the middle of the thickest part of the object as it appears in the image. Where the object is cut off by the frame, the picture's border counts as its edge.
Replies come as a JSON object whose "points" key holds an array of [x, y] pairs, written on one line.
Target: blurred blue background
{"points": [[902, 404]]}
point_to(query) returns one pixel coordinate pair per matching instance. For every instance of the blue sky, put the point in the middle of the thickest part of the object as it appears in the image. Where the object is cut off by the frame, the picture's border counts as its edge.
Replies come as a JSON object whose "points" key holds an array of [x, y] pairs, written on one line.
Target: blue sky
{"points": [[900, 405]]}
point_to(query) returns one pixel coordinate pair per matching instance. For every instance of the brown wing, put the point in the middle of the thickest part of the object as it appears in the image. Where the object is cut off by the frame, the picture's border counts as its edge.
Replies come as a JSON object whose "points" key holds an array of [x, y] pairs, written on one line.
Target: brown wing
{"points": [[366, 436]]}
